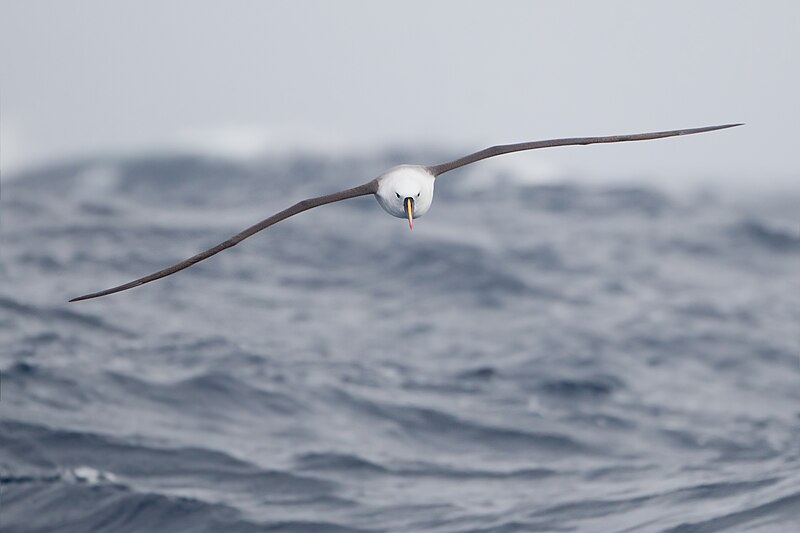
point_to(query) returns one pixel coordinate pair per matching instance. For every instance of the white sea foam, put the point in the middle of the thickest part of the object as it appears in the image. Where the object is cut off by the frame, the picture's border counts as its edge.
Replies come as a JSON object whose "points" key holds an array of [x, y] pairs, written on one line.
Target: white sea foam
{"points": [[87, 474]]}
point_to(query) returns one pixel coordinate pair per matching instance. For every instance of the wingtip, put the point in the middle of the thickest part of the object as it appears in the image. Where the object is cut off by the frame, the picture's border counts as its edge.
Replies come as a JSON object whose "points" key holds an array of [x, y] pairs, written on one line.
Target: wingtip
{"points": [[721, 126], [711, 128], [84, 297]]}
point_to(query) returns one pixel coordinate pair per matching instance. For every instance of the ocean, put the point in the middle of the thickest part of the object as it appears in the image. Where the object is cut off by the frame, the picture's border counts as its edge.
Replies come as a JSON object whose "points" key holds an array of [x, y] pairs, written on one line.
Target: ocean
{"points": [[532, 357]]}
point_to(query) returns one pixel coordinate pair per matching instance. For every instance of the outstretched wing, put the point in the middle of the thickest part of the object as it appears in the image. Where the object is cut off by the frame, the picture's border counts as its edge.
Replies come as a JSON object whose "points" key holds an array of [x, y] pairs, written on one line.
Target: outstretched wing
{"points": [[299, 207], [508, 148]]}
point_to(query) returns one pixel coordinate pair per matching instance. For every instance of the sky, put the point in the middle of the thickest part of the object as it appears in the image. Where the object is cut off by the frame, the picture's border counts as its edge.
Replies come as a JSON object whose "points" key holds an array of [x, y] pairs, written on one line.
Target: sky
{"points": [[239, 78]]}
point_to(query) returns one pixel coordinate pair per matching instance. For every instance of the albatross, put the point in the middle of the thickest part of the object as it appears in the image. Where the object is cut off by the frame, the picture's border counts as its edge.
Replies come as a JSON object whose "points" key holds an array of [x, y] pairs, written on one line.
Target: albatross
{"points": [[404, 191]]}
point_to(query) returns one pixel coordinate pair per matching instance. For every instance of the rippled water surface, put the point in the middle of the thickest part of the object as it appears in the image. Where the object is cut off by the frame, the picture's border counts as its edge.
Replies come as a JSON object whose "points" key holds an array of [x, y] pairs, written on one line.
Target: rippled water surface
{"points": [[529, 358]]}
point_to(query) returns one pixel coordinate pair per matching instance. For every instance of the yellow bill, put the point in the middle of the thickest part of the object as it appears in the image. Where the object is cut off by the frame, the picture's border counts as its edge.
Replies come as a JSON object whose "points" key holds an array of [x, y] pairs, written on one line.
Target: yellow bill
{"points": [[410, 212]]}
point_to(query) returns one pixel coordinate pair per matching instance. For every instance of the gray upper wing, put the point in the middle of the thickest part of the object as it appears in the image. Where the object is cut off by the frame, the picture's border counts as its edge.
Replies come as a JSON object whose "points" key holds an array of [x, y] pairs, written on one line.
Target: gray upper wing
{"points": [[299, 207], [508, 148]]}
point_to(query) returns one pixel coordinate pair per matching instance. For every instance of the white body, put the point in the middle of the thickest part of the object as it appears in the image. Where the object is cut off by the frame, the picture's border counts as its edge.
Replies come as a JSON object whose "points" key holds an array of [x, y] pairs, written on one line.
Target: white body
{"points": [[405, 181]]}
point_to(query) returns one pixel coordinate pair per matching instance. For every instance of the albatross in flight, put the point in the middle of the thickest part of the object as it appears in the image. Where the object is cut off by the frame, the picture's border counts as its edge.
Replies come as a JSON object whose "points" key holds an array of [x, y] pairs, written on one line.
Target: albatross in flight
{"points": [[405, 191]]}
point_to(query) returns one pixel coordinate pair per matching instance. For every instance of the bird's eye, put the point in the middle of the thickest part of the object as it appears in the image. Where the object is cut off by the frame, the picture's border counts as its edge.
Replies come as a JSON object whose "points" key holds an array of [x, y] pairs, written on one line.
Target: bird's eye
{"points": [[397, 194], [417, 195]]}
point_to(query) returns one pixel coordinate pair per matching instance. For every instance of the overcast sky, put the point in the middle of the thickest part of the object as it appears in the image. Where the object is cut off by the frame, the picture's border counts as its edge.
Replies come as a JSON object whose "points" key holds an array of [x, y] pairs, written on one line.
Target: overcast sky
{"points": [[85, 77]]}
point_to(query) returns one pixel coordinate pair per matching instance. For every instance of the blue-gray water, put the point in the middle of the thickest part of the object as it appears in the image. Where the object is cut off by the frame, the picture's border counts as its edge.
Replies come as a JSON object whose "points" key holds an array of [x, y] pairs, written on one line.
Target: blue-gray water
{"points": [[529, 358]]}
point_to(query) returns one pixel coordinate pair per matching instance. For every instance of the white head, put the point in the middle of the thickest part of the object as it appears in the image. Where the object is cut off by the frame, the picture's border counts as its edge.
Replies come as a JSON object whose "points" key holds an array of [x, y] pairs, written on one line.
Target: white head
{"points": [[406, 192]]}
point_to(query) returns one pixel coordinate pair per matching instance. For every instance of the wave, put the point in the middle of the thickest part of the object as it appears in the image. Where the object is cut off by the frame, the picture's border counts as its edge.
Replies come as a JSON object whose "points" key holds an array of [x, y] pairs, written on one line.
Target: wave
{"points": [[28, 382], [780, 514], [210, 394], [134, 474], [767, 236], [611, 200], [338, 462], [350, 464], [455, 268], [59, 314], [434, 427], [60, 449], [40, 507], [577, 389]]}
